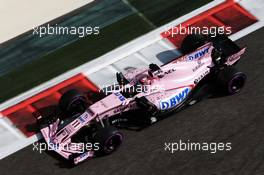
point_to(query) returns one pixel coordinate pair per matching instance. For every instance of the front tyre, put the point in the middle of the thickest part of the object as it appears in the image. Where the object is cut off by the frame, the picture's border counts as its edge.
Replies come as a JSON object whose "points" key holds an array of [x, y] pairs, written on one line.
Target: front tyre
{"points": [[73, 102], [109, 140], [231, 80]]}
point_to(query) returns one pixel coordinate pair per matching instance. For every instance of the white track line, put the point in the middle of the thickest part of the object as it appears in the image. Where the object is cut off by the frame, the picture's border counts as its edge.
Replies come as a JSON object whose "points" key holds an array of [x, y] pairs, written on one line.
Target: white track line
{"points": [[140, 14]]}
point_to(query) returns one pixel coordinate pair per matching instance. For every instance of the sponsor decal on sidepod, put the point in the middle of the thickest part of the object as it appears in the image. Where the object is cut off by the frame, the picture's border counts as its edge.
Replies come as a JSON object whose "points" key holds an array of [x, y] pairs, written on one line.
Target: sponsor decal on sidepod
{"points": [[120, 96], [175, 100]]}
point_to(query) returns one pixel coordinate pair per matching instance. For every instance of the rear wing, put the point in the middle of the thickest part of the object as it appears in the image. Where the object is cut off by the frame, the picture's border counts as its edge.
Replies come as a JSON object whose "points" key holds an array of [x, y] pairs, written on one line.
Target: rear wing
{"points": [[198, 54]]}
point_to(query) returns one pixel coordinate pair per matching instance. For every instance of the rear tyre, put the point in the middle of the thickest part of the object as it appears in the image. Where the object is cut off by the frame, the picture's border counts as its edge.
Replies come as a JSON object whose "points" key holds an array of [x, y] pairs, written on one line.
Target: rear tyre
{"points": [[231, 80], [73, 102], [192, 42], [109, 140]]}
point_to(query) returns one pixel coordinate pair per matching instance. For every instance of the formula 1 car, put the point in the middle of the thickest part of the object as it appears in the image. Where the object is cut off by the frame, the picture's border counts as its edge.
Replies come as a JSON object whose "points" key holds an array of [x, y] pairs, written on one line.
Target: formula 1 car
{"points": [[88, 131]]}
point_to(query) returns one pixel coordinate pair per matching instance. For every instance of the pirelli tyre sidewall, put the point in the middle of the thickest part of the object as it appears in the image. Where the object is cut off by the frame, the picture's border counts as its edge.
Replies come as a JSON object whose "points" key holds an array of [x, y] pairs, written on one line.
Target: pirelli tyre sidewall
{"points": [[231, 80], [109, 139]]}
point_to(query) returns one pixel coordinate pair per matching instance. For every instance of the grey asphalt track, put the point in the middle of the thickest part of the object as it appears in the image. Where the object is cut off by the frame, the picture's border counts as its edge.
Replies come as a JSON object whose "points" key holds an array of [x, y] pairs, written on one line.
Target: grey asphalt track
{"points": [[238, 119]]}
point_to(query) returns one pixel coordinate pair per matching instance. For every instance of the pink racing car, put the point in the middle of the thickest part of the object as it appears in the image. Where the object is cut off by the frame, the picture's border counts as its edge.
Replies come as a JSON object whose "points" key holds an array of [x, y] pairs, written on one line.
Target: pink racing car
{"points": [[143, 97]]}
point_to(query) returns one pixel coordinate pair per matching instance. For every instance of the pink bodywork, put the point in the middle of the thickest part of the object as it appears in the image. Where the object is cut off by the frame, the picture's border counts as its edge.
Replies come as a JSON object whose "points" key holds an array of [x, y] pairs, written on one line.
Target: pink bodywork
{"points": [[181, 76]]}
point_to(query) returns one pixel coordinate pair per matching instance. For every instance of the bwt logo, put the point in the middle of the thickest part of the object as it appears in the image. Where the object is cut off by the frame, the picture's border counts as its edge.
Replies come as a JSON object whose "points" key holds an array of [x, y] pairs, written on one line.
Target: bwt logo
{"points": [[198, 54], [174, 100]]}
